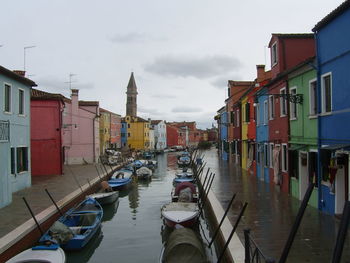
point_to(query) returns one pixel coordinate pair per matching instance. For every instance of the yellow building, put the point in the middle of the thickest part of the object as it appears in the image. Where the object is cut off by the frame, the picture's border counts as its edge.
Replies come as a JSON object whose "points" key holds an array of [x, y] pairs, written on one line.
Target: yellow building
{"points": [[244, 130], [138, 133], [105, 133]]}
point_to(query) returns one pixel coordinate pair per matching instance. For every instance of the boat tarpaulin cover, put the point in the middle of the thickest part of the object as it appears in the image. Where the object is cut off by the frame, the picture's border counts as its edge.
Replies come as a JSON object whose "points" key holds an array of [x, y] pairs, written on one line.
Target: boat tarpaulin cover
{"points": [[60, 232], [184, 246]]}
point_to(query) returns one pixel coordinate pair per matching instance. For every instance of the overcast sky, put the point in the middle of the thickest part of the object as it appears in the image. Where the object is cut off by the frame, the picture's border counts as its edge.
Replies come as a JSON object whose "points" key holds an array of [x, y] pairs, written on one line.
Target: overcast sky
{"points": [[182, 52]]}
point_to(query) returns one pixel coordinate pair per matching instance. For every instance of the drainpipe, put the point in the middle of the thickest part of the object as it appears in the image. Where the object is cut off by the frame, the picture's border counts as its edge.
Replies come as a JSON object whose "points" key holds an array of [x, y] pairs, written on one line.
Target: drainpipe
{"points": [[93, 135], [319, 170]]}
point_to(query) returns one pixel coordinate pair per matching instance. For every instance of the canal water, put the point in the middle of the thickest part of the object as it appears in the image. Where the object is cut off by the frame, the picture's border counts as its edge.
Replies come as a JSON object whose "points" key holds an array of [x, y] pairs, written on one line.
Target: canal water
{"points": [[132, 228]]}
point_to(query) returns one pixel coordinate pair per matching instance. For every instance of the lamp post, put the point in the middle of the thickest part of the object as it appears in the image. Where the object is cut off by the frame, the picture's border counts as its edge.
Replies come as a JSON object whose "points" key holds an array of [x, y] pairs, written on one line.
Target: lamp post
{"points": [[24, 57]]}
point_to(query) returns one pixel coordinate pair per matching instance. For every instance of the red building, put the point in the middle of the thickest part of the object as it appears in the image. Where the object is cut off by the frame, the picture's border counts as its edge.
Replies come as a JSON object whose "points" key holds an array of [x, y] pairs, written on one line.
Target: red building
{"points": [[46, 137], [172, 135], [287, 51], [233, 106], [192, 135]]}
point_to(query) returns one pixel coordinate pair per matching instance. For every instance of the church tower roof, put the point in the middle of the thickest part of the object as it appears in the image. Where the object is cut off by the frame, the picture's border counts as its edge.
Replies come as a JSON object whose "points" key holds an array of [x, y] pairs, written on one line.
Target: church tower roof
{"points": [[131, 97]]}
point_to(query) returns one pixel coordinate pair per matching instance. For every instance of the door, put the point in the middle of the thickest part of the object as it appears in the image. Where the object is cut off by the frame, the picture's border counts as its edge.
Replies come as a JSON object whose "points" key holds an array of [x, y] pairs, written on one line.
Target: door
{"points": [[303, 173]]}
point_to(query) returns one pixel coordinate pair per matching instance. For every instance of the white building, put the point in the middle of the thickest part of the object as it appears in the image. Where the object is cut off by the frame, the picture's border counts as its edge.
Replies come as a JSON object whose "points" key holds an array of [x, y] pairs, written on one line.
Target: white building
{"points": [[159, 127]]}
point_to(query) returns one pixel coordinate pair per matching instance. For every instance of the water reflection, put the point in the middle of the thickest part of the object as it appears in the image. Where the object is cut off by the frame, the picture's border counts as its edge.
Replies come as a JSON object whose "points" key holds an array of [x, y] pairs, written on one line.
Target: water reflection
{"points": [[109, 211], [85, 254], [134, 200]]}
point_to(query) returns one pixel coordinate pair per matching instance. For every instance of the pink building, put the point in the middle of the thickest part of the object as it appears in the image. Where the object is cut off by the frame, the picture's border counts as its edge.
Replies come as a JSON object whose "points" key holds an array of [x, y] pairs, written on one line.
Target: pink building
{"points": [[80, 131]]}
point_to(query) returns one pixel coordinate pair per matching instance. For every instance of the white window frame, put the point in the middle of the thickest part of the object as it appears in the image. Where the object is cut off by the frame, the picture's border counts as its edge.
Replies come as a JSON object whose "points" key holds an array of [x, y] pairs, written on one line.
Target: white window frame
{"points": [[283, 103], [274, 54], [266, 112], [271, 154], [237, 118], [293, 108], [271, 107], [284, 160], [323, 95], [10, 100], [312, 97], [23, 102]]}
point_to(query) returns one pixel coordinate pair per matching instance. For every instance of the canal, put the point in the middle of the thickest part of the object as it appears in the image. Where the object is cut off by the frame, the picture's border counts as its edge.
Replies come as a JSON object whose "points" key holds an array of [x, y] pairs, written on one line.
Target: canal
{"points": [[132, 228]]}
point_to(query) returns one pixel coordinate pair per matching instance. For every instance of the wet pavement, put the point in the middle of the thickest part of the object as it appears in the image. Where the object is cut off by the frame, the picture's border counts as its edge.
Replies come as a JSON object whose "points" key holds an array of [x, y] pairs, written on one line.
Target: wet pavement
{"points": [[271, 213], [59, 186]]}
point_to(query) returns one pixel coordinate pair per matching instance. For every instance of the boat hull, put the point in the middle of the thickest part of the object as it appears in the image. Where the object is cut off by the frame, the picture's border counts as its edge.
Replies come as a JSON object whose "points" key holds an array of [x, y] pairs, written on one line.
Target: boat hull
{"points": [[40, 255], [105, 198], [185, 214]]}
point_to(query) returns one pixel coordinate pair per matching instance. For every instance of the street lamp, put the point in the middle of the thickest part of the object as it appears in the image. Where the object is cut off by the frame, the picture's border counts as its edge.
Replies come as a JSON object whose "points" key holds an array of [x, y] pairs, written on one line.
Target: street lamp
{"points": [[24, 57]]}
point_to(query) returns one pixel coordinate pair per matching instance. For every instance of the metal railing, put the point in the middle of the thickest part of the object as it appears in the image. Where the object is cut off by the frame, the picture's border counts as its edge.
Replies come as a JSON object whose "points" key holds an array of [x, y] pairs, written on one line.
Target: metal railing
{"points": [[253, 253], [4, 131]]}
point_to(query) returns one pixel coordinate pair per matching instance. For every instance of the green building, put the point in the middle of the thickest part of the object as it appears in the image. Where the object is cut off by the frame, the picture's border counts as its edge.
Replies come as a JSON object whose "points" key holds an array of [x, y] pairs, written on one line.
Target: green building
{"points": [[303, 152]]}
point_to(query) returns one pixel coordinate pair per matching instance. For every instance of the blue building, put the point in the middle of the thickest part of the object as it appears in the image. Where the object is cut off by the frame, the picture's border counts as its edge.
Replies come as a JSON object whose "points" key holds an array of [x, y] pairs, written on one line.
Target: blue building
{"points": [[223, 133], [14, 133], [124, 133], [333, 61], [262, 136]]}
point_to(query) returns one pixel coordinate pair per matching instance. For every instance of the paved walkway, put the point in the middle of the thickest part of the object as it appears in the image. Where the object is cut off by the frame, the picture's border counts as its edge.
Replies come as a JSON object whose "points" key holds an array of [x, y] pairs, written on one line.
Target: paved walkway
{"points": [[270, 215], [59, 186]]}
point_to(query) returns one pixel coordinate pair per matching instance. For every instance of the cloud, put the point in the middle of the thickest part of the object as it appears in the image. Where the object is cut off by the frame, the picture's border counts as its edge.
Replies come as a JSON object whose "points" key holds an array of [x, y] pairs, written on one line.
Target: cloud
{"points": [[190, 66], [134, 37], [56, 85], [186, 109], [164, 96], [148, 111]]}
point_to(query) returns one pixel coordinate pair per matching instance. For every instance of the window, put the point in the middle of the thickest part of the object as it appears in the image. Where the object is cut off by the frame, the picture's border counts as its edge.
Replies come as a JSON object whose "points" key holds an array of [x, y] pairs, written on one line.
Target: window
{"points": [[257, 114], [313, 97], [228, 92], [271, 107], [7, 98], [233, 117], [266, 153], [22, 159], [266, 112], [237, 119], [13, 162], [326, 92], [129, 134], [283, 104], [128, 125], [274, 58], [247, 112], [21, 102], [284, 157], [271, 155], [293, 105]]}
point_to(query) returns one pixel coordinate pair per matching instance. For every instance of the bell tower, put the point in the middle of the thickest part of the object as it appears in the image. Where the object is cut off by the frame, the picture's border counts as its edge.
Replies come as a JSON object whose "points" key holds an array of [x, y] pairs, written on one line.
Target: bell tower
{"points": [[131, 95]]}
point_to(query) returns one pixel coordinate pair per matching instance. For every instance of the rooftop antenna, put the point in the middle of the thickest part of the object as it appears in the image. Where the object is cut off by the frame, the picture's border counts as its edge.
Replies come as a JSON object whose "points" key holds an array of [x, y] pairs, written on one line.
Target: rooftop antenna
{"points": [[70, 80], [24, 56]]}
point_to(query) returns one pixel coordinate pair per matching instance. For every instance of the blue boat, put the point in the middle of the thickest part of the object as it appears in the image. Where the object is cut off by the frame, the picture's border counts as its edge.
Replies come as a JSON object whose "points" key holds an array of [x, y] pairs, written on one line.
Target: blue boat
{"points": [[75, 229], [119, 183]]}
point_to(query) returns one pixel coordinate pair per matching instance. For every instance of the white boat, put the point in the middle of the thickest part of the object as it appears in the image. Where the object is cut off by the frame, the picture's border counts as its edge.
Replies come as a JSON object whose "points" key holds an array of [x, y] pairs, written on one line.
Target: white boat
{"points": [[47, 254], [185, 214], [105, 198], [144, 173]]}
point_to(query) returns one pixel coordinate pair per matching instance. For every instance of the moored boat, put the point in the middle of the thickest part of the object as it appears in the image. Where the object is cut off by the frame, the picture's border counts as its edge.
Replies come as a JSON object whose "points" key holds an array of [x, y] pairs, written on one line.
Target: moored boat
{"points": [[75, 228], [185, 191], [185, 214], [144, 173], [183, 245], [50, 254], [119, 183], [178, 180], [105, 198]]}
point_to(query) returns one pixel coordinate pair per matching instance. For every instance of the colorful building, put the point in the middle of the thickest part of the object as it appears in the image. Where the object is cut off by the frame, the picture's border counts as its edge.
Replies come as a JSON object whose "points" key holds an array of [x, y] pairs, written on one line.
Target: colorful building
{"points": [[110, 129], [15, 172], [222, 119], [160, 135], [234, 128], [138, 133], [333, 60], [80, 131], [287, 51], [302, 150], [124, 133], [172, 133], [46, 132]]}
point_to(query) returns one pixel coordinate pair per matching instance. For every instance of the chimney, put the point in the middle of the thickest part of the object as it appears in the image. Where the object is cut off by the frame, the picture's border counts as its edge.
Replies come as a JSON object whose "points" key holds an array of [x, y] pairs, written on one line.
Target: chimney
{"points": [[260, 72], [20, 72]]}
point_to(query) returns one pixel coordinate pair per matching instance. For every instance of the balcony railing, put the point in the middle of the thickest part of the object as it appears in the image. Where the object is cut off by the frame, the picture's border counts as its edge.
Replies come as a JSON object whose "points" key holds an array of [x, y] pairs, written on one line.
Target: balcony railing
{"points": [[4, 131]]}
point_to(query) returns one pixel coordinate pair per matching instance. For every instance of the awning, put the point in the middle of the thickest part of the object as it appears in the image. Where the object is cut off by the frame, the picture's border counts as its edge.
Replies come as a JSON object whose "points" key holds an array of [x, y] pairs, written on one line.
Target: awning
{"points": [[295, 147], [335, 147]]}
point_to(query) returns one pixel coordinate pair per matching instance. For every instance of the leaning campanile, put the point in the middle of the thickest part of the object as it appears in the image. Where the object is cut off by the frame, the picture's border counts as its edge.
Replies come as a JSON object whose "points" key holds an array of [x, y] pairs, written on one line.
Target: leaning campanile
{"points": [[131, 95]]}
